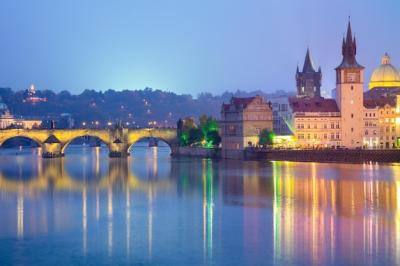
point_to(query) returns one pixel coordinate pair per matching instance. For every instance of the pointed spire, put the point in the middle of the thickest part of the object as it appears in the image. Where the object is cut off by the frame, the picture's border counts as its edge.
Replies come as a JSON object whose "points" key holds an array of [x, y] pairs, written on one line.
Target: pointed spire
{"points": [[308, 65], [349, 49], [349, 36]]}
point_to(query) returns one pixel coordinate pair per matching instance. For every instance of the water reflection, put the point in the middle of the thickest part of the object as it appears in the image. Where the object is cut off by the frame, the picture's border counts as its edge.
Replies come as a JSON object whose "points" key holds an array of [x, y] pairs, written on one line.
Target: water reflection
{"points": [[208, 209], [178, 211], [326, 215]]}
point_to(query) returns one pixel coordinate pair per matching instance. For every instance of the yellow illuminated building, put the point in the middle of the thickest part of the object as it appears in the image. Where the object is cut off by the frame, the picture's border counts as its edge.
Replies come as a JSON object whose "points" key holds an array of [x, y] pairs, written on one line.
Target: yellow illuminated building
{"points": [[382, 108]]}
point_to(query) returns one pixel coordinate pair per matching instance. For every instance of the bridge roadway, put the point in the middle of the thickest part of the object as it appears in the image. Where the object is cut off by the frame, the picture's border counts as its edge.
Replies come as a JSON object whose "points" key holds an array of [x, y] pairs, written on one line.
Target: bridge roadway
{"points": [[118, 140]]}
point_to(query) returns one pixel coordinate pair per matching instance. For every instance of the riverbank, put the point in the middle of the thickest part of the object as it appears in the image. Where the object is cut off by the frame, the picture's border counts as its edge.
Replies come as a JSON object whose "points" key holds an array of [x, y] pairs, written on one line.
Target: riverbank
{"points": [[325, 156], [196, 152]]}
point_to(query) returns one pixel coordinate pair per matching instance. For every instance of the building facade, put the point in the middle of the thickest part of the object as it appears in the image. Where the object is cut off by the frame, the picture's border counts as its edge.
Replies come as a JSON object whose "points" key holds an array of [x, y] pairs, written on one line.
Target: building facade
{"points": [[7, 120], [242, 120], [317, 123], [282, 116], [382, 102], [316, 120]]}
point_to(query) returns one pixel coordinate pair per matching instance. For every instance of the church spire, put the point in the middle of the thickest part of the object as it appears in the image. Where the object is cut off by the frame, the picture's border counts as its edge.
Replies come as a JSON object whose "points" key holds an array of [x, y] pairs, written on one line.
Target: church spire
{"points": [[349, 36], [308, 65], [349, 50]]}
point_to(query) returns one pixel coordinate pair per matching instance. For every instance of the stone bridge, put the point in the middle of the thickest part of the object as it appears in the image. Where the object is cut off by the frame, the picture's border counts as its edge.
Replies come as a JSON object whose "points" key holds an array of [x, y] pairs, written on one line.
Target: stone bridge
{"points": [[118, 140]]}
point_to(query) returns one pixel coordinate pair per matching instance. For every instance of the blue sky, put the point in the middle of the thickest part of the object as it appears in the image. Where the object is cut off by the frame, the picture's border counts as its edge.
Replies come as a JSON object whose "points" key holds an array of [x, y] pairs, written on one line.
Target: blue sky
{"points": [[186, 46]]}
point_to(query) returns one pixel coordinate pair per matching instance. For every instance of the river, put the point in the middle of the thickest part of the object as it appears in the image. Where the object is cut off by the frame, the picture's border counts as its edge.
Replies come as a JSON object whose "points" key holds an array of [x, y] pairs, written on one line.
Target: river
{"points": [[153, 209]]}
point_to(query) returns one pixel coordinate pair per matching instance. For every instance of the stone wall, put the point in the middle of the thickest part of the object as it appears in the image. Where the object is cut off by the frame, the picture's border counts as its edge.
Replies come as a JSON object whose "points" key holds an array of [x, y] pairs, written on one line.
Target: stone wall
{"points": [[341, 156], [196, 152]]}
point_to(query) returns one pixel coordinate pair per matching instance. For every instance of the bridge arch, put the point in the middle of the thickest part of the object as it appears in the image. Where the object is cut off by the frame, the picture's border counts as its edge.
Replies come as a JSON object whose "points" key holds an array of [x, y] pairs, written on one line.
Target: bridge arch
{"points": [[167, 135], [68, 142], [132, 144], [23, 136]]}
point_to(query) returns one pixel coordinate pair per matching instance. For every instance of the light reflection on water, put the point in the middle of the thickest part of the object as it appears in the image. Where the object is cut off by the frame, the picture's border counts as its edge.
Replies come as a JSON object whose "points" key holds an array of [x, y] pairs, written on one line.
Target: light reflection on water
{"points": [[150, 208]]}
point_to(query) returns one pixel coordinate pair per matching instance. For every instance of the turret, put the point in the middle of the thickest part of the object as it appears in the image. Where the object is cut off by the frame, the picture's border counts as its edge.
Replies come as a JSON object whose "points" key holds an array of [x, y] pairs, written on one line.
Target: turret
{"points": [[308, 81]]}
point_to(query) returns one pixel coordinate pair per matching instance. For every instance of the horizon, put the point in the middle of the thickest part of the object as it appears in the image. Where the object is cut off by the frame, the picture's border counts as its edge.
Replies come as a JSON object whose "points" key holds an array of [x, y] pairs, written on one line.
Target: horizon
{"points": [[186, 48], [194, 96]]}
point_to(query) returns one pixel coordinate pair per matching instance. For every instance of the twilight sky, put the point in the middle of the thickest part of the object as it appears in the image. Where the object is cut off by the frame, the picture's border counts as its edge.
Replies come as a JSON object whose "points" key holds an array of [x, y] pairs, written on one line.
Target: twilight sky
{"points": [[186, 46]]}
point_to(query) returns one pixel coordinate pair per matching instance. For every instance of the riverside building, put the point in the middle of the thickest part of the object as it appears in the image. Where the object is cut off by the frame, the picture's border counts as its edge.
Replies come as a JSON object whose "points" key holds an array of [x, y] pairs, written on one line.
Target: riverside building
{"points": [[242, 120], [382, 107], [330, 123], [354, 118], [316, 120]]}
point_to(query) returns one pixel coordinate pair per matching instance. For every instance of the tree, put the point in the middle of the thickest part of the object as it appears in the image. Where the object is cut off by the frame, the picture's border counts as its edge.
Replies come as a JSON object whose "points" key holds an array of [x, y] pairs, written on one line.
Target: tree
{"points": [[209, 128], [187, 133], [213, 138], [266, 137], [188, 123], [195, 135]]}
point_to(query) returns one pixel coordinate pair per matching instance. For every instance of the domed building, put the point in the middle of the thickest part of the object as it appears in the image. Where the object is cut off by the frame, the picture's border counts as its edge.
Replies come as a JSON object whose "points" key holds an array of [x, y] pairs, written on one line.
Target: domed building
{"points": [[385, 76], [381, 108]]}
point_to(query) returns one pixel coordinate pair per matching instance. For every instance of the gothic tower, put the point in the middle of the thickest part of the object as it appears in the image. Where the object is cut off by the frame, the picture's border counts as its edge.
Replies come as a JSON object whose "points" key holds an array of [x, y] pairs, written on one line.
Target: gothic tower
{"points": [[349, 93], [308, 81]]}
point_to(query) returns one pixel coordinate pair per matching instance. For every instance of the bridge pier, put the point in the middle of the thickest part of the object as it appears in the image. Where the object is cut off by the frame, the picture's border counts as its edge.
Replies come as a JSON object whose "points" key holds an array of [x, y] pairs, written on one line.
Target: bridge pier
{"points": [[52, 150], [118, 149]]}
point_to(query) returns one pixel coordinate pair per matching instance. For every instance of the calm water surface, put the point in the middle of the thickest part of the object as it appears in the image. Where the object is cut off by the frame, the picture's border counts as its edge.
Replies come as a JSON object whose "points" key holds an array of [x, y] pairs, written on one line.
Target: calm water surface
{"points": [[153, 209]]}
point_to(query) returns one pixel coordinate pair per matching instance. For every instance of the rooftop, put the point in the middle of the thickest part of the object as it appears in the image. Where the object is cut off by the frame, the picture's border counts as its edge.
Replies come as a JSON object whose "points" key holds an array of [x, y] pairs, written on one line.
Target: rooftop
{"points": [[316, 104]]}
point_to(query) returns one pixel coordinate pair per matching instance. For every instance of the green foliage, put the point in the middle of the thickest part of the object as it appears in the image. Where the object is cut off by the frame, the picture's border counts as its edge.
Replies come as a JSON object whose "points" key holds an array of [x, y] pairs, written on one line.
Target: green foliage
{"points": [[213, 138], [195, 135], [183, 138], [266, 137], [205, 134]]}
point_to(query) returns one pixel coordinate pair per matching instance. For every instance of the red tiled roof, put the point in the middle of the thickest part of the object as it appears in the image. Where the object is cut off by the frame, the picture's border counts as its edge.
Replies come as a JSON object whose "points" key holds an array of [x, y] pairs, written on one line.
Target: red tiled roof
{"points": [[313, 104], [379, 102], [238, 102]]}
